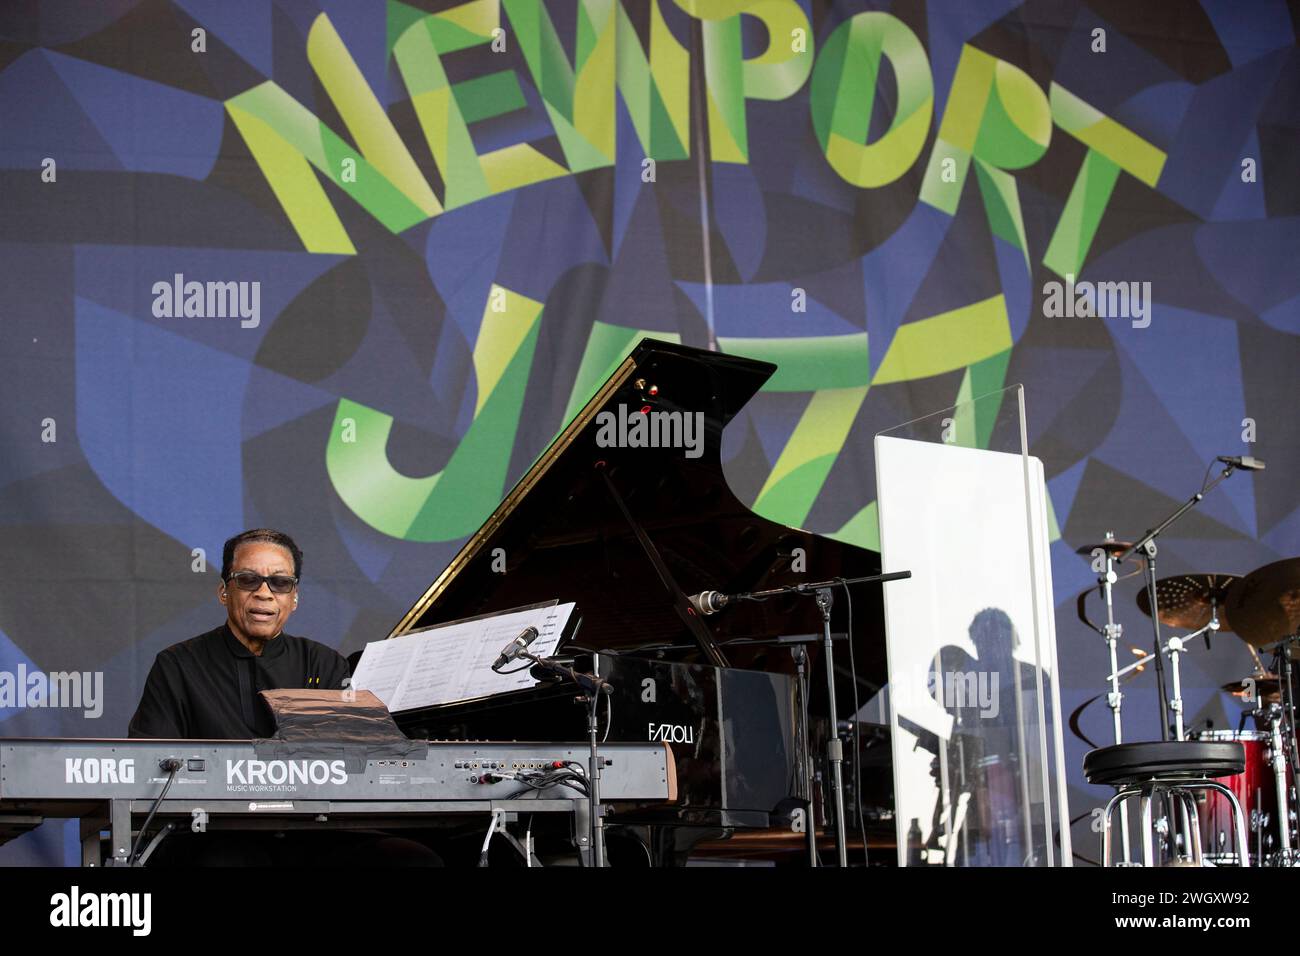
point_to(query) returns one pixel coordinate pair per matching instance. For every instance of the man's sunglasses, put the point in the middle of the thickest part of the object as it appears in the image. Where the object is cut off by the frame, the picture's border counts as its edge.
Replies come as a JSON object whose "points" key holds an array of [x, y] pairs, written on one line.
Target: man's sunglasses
{"points": [[252, 581]]}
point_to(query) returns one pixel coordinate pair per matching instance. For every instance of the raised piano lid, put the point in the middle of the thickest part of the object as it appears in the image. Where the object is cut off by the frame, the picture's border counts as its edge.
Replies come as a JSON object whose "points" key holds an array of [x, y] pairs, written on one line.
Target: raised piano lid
{"points": [[563, 535]]}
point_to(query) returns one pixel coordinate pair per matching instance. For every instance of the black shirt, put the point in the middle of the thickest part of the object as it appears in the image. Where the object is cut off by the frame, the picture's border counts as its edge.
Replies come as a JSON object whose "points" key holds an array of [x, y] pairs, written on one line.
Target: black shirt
{"points": [[207, 687]]}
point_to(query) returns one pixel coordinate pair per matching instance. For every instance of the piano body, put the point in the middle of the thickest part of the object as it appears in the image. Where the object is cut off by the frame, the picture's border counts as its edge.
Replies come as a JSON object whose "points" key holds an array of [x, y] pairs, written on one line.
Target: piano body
{"points": [[627, 533]]}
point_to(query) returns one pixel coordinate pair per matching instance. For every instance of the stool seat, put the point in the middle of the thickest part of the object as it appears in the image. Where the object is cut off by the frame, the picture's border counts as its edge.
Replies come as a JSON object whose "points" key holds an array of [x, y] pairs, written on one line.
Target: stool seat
{"points": [[1124, 764]]}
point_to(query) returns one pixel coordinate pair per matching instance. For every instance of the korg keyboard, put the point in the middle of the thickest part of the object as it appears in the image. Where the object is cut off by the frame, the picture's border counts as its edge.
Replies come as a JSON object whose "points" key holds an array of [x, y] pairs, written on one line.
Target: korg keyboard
{"points": [[231, 782]]}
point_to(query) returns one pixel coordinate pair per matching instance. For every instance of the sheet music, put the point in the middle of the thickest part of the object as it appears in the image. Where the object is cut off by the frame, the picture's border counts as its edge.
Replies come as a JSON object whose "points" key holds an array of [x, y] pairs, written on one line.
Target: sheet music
{"points": [[452, 662]]}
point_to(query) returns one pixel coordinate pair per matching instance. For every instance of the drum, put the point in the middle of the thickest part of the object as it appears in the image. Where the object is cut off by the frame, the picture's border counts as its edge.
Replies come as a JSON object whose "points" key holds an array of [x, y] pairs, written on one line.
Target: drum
{"points": [[1255, 789]]}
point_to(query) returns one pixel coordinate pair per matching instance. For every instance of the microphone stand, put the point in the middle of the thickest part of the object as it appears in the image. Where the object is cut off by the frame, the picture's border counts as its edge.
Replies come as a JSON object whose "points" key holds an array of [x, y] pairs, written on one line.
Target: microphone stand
{"points": [[818, 586], [1147, 545], [834, 746], [800, 654], [593, 687]]}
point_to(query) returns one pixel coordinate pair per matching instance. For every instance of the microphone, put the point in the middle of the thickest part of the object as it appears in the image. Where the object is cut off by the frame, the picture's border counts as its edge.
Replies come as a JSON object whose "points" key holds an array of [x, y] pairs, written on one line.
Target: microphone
{"points": [[709, 602], [511, 650], [1246, 463]]}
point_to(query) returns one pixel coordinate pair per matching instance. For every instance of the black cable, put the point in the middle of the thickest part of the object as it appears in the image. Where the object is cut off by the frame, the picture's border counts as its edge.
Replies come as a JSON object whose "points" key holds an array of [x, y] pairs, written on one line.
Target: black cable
{"points": [[517, 670], [649, 859], [542, 781], [524, 792], [573, 783], [153, 844], [617, 652], [174, 765], [545, 781], [1206, 480]]}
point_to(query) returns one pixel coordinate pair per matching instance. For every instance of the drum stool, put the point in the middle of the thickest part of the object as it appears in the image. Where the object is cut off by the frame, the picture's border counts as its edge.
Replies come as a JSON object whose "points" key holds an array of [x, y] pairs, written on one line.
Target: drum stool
{"points": [[1176, 768]]}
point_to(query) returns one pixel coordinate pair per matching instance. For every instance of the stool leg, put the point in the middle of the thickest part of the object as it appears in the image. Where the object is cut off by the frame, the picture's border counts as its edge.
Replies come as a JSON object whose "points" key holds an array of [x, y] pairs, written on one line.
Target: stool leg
{"points": [[1193, 829], [1105, 832], [1106, 839], [1148, 847], [1243, 848]]}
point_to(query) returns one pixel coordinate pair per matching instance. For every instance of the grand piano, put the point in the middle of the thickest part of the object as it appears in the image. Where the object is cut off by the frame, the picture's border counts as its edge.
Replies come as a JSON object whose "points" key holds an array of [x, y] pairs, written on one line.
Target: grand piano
{"points": [[630, 534]]}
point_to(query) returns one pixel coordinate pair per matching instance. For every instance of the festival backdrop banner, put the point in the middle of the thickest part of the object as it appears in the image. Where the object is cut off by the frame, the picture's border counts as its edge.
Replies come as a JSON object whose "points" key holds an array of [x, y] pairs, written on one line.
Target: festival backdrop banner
{"points": [[345, 267]]}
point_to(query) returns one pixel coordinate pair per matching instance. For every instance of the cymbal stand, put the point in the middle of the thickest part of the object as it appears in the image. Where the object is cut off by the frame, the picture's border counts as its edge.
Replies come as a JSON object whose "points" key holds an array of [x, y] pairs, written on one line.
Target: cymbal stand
{"points": [[595, 688], [1284, 747], [1177, 646], [1174, 647], [1277, 760], [1287, 688], [1114, 699]]}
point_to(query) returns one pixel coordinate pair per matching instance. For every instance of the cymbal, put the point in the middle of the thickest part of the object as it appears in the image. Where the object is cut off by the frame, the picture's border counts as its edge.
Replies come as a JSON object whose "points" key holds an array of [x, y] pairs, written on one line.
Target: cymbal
{"points": [[1110, 547], [1266, 685], [1264, 606], [1185, 600]]}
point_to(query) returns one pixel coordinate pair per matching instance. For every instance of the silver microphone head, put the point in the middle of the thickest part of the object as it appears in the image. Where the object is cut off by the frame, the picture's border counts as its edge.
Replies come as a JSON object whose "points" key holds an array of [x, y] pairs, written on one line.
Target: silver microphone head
{"points": [[526, 637], [708, 602]]}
